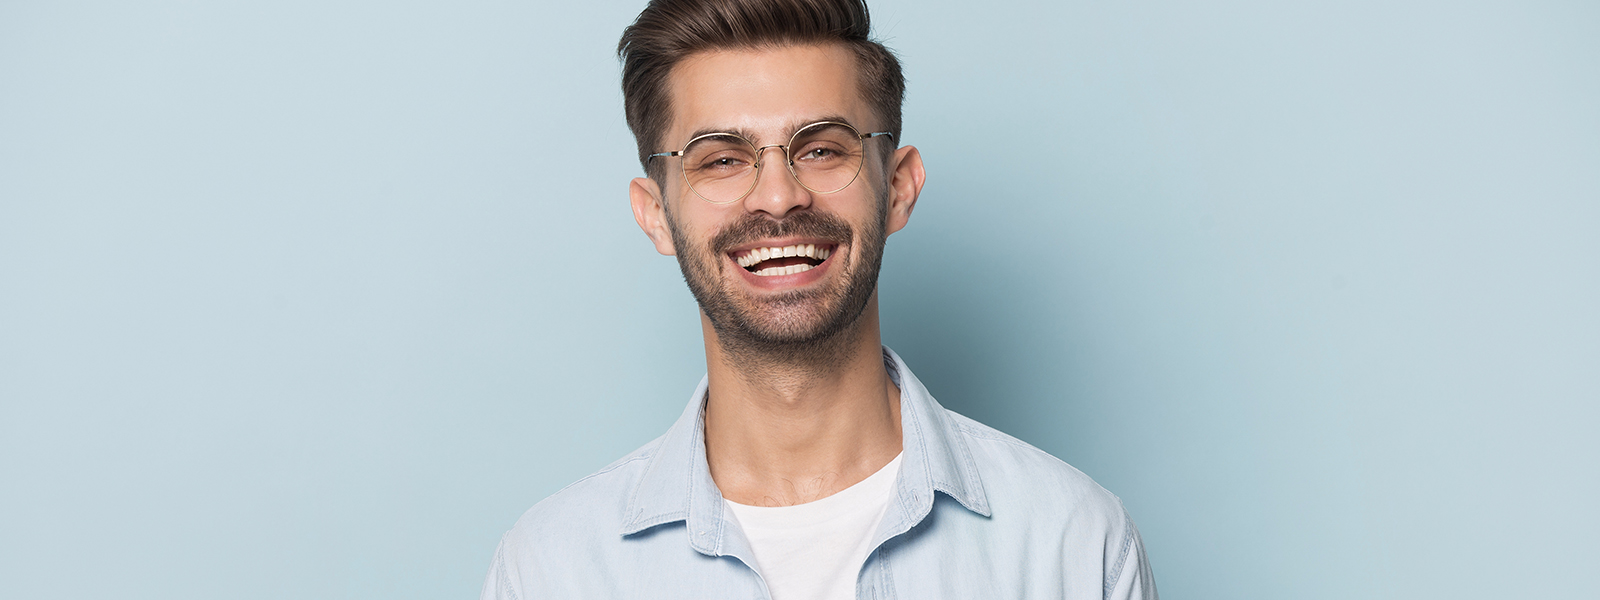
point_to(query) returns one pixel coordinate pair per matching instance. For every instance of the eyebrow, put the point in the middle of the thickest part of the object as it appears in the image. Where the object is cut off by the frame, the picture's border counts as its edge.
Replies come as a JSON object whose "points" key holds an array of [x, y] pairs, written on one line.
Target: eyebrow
{"points": [[792, 127]]}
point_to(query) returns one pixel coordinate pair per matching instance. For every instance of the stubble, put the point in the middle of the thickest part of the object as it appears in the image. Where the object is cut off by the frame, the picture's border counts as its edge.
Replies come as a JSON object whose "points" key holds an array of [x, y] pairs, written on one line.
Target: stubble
{"points": [[802, 329]]}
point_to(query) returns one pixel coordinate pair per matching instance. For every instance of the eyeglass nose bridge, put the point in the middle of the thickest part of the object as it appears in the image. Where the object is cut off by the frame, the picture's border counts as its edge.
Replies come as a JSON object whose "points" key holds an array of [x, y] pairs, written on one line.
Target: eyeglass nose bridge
{"points": [[762, 150]]}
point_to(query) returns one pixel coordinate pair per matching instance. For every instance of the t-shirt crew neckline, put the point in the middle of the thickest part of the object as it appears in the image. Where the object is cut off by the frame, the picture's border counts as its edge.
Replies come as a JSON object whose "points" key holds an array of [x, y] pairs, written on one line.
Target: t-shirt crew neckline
{"points": [[868, 494]]}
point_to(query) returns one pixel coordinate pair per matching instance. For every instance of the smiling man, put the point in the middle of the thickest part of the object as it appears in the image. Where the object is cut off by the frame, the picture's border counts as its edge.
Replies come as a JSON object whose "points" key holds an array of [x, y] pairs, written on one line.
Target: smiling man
{"points": [[810, 464]]}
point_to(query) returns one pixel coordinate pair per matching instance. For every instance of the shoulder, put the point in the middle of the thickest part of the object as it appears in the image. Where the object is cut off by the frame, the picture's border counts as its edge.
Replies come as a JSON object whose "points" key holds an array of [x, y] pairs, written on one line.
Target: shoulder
{"points": [[1018, 475], [596, 499], [1061, 514], [581, 518]]}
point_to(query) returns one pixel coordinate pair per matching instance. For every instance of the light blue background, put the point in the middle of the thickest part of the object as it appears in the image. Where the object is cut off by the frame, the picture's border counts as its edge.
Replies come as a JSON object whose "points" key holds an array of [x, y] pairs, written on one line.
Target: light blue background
{"points": [[313, 299]]}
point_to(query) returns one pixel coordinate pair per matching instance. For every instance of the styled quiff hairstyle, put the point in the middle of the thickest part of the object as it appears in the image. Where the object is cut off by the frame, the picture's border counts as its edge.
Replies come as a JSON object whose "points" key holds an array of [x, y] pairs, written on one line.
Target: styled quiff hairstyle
{"points": [[668, 31]]}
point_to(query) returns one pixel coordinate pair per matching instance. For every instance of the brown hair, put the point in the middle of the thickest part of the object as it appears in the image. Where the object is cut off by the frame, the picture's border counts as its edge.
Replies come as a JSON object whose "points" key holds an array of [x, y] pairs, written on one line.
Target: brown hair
{"points": [[667, 31]]}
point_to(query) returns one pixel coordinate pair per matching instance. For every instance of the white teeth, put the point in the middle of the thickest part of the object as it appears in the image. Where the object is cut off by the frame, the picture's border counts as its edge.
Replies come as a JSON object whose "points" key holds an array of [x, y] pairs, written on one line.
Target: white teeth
{"points": [[789, 270], [760, 254], [757, 255]]}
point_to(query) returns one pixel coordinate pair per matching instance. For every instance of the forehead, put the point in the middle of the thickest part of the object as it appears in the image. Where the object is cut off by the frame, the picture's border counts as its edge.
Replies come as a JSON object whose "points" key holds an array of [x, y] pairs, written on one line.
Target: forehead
{"points": [[767, 91]]}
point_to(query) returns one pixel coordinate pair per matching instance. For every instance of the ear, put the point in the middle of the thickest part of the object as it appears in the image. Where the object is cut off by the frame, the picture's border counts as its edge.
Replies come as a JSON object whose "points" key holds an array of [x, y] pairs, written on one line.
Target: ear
{"points": [[651, 214], [905, 183]]}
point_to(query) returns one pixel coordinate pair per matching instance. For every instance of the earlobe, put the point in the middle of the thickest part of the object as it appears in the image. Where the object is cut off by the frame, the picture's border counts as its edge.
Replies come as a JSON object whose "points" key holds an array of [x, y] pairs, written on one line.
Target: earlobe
{"points": [[905, 184], [650, 212]]}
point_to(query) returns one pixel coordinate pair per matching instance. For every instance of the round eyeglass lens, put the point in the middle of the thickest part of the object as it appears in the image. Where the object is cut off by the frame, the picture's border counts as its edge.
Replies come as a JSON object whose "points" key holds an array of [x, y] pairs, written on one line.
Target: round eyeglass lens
{"points": [[825, 156], [720, 168]]}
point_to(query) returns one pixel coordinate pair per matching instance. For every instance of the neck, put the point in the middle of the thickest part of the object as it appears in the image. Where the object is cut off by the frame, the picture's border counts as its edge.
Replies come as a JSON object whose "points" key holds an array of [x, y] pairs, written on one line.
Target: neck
{"points": [[782, 430]]}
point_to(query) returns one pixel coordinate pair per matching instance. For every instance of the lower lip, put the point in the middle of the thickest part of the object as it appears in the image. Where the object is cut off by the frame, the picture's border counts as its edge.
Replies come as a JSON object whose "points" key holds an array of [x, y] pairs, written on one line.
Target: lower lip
{"points": [[775, 282]]}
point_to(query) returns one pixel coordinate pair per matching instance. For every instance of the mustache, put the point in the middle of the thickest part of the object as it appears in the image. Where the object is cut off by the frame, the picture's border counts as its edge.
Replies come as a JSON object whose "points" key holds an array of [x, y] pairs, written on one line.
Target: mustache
{"points": [[755, 226]]}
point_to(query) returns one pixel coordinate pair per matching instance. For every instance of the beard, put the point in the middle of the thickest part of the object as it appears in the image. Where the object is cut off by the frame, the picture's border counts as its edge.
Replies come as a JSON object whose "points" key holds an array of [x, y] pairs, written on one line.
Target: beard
{"points": [[796, 326]]}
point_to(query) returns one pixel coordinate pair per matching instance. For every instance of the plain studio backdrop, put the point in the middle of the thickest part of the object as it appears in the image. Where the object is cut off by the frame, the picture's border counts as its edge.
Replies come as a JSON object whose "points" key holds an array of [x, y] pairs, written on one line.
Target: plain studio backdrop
{"points": [[314, 299]]}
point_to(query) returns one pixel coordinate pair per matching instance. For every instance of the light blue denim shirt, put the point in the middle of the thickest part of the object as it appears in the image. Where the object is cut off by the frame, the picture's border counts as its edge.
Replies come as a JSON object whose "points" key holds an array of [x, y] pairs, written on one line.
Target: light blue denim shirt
{"points": [[975, 513]]}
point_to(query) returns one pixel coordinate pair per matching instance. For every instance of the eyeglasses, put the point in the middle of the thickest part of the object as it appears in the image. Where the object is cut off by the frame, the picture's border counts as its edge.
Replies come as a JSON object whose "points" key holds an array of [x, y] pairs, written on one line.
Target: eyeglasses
{"points": [[722, 168]]}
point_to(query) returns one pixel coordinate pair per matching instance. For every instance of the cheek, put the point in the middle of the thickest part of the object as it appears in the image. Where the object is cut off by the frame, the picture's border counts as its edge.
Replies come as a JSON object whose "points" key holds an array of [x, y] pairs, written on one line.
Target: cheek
{"points": [[690, 233], [675, 228], [865, 212]]}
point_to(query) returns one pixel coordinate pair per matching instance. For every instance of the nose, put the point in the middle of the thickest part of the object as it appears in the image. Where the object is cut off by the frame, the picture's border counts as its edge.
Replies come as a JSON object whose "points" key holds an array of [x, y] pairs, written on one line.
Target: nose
{"points": [[777, 192]]}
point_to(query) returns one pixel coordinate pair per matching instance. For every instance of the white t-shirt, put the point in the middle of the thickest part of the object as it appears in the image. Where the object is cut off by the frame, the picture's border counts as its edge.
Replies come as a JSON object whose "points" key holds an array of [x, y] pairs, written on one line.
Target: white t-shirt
{"points": [[814, 551]]}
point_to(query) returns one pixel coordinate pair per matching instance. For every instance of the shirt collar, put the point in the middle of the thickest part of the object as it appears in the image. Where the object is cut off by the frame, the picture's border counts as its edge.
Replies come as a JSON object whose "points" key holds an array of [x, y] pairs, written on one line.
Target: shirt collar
{"points": [[677, 483]]}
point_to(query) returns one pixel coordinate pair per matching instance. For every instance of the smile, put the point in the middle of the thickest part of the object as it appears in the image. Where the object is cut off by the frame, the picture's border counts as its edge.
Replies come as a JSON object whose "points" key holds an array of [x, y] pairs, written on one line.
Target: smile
{"points": [[785, 260]]}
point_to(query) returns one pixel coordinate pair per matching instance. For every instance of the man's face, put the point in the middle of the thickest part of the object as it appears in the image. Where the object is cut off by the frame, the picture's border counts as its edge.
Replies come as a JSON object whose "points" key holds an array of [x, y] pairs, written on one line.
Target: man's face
{"points": [[782, 301]]}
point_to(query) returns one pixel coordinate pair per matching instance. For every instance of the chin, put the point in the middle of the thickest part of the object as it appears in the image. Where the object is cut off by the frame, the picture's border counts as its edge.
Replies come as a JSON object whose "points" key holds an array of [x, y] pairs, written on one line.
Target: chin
{"points": [[800, 323]]}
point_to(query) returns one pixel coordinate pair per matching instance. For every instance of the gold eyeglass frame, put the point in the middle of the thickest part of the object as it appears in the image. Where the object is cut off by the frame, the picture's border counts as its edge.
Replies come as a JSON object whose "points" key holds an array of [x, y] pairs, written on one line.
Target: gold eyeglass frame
{"points": [[787, 160]]}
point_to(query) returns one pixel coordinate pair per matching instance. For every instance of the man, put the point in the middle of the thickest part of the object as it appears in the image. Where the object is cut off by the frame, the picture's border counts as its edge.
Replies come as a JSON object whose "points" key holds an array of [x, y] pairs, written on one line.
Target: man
{"points": [[810, 463]]}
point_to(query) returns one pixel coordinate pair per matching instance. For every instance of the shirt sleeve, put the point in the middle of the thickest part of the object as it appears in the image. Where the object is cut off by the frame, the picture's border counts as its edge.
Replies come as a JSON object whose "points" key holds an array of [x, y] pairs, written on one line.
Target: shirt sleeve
{"points": [[497, 586], [1131, 579]]}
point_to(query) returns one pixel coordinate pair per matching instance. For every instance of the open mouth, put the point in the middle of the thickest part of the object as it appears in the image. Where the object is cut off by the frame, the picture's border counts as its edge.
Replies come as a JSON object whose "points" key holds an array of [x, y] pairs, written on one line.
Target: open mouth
{"points": [[784, 260]]}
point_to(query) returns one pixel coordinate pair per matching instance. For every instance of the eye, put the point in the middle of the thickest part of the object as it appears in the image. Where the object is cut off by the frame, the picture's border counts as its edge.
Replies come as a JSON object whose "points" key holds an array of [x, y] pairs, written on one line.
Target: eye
{"points": [[724, 162], [818, 153], [718, 155]]}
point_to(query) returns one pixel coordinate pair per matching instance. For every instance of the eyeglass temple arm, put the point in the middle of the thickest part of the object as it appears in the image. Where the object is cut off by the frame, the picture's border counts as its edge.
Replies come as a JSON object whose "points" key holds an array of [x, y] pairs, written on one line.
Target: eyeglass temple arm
{"points": [[874, 134]]}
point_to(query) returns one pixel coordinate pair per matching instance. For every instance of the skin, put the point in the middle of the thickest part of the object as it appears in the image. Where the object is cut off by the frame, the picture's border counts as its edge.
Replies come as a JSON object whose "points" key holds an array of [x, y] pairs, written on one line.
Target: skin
{"points": [[786, 424]]}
